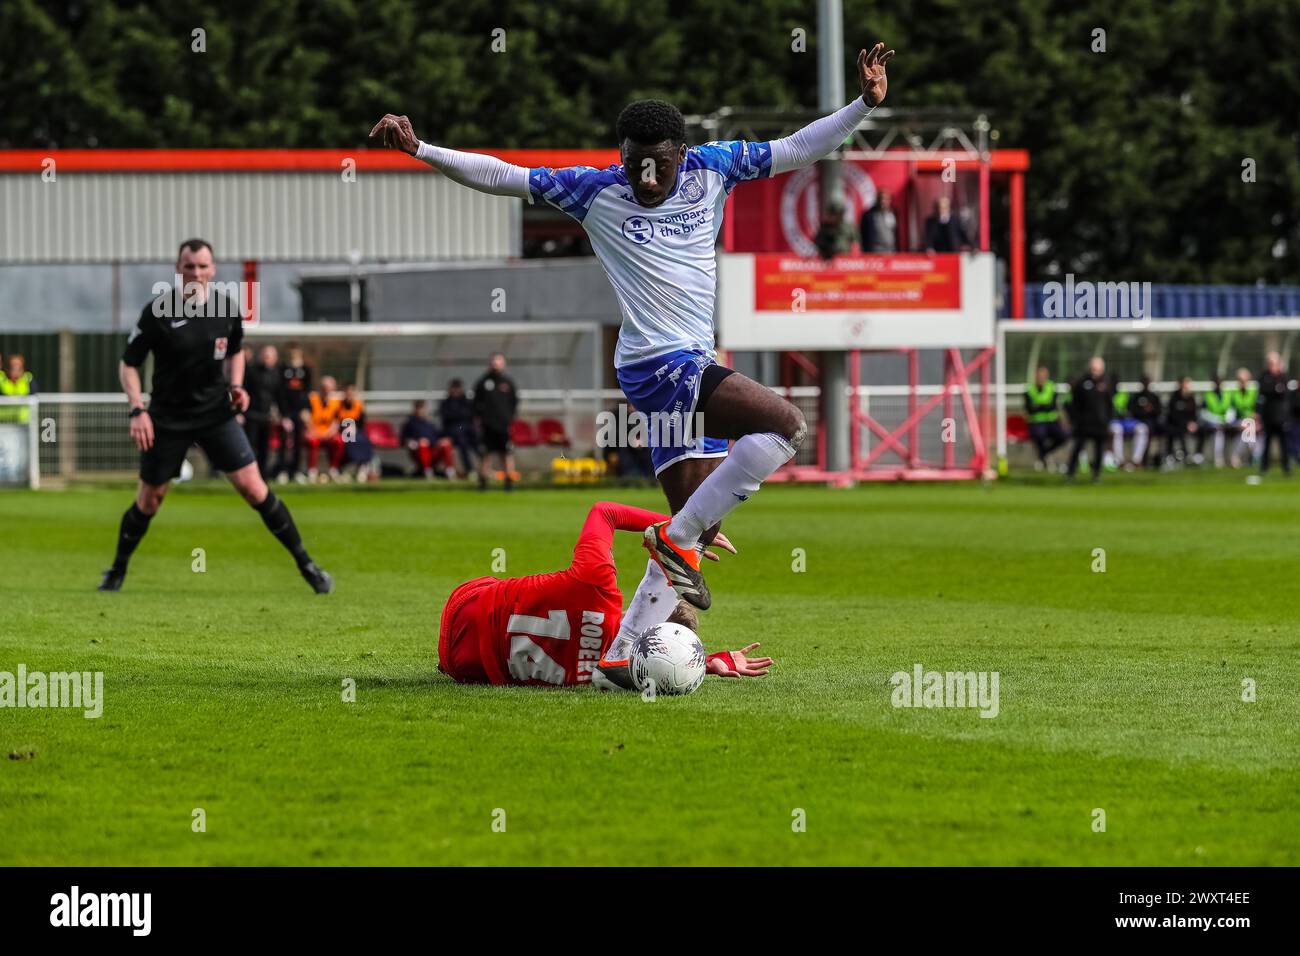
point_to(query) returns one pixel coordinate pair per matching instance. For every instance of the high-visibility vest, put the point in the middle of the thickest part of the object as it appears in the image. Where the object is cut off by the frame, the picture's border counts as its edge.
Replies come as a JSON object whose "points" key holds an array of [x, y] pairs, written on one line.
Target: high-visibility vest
{"points": [[1120, 404], [1244, 399], [1218, 403], [8, 387], [323, 414], [1042, 401]]}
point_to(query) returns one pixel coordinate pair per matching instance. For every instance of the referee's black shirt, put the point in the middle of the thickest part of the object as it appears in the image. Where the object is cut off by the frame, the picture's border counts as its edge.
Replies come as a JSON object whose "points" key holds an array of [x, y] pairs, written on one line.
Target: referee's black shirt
{"points": [[190, 344]]}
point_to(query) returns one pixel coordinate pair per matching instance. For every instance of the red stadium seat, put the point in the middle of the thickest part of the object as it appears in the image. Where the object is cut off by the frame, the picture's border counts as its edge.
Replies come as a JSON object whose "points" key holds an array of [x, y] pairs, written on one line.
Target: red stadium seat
{"points": [[550, 431], [522, 434], [382, 434], [1017, 428]]}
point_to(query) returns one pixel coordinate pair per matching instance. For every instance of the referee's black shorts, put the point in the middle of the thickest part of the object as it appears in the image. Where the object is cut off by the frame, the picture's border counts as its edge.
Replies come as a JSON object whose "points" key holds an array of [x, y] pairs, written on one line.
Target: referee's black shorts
{"points": [[225, 444]]}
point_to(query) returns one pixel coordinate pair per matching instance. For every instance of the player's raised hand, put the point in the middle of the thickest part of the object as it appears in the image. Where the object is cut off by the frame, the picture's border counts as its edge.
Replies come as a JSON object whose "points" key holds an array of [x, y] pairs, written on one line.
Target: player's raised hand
{"points": [[871, 73], [395, 132], [744, 666], [720, 540]]}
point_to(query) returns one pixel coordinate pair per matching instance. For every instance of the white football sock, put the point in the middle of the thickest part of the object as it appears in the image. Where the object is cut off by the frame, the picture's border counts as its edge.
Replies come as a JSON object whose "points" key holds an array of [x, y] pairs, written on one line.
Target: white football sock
{"points": [[1140, 437], [653, 602], [752, 461]]}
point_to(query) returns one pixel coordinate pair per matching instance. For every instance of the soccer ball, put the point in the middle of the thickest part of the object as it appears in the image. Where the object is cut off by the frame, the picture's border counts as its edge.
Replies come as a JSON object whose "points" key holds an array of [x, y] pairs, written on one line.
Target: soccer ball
{"points": [[670, 656]]}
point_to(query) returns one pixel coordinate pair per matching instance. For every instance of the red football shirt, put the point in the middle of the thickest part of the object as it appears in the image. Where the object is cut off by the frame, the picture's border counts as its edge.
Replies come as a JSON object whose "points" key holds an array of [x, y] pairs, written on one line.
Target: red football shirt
{"points": [[553, 628]]}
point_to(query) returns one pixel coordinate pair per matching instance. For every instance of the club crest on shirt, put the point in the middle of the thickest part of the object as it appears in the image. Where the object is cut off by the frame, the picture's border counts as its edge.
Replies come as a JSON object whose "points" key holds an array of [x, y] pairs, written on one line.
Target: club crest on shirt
{"points": [[692, 188], [219, 348]]}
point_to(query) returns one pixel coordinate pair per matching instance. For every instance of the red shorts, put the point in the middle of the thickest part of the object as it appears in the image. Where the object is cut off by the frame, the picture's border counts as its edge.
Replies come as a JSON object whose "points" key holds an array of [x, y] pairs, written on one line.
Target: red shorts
{"points": [[459, 653]]}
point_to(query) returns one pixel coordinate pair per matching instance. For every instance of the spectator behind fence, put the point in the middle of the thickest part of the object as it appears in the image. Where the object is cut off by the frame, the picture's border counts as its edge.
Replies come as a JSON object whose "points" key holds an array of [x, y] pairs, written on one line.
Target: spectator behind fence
{"points": [[1294, 431], [944, 231], [430, 451], [1274, 412], [835, 235], [496, 400], [16, 382], [293, 404], [1123, 423], [1180, 421], [456, 413], [262, 382], [1090, 408], [358, 450], [1244, 398], [878, 227], [321, 422], [1217, 415], [1042, 416], [1146, 408]]}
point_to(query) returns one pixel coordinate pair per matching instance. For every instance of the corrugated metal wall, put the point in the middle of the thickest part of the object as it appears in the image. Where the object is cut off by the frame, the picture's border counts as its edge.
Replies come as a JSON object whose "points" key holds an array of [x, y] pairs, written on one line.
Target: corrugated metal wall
{"points": [[291, 216]]}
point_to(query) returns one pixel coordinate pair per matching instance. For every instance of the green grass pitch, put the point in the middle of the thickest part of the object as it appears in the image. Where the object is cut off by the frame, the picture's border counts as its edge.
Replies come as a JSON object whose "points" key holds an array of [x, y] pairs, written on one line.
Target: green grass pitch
{"points": [[1120, 691]]}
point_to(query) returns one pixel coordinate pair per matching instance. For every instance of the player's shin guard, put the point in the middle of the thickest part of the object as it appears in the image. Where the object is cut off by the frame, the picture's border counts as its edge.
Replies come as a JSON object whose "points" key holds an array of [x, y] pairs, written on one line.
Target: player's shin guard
{"points": [[134, 524], [279, 522], [752, 461]]}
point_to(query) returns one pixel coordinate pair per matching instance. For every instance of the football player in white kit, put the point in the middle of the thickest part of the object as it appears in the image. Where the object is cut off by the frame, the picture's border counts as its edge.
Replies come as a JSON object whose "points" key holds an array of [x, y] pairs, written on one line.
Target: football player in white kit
{"points": [[653, 223]]}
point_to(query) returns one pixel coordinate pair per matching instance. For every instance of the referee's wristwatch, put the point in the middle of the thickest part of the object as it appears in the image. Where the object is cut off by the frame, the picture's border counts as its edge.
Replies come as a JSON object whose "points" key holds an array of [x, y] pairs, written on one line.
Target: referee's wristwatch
{"points": [[138, 410]]}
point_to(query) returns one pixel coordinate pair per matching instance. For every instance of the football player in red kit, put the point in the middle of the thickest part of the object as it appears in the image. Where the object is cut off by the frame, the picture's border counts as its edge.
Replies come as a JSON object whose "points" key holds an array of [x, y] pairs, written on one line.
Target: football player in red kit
{"points": [[565, 628]]}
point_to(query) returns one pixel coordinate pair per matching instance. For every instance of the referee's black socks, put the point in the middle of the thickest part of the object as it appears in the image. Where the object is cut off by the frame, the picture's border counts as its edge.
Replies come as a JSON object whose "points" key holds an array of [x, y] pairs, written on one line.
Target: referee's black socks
{"points": [[134, 524], [279, 522]]}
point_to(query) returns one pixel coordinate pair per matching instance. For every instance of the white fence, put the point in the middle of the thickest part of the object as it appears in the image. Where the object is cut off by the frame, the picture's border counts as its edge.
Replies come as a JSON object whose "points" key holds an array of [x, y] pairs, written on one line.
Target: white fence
{"points": [[84, 435]]}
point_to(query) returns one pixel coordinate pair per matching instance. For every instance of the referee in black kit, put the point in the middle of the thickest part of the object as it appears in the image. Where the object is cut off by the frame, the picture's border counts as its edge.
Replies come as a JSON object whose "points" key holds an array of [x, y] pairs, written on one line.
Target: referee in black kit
{"points": [[194, 336]]}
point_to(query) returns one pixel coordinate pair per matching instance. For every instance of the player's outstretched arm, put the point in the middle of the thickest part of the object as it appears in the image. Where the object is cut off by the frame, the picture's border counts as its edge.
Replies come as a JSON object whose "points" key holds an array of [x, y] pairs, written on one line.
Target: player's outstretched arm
{"points": [[487, 174], [738, 663], [821, 137]]}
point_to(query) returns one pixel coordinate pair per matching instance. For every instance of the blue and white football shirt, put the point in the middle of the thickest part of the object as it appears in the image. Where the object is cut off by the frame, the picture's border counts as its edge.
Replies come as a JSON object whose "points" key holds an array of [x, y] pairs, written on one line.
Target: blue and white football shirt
{"points": [[661, 261]]}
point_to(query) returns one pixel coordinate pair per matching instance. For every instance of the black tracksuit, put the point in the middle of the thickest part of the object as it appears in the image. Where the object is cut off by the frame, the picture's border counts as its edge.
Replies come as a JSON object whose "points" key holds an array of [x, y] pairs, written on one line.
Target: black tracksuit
{"points": [[457, 416], [1179, 417], [1090, 410], [1274, 411], [263, 384]]}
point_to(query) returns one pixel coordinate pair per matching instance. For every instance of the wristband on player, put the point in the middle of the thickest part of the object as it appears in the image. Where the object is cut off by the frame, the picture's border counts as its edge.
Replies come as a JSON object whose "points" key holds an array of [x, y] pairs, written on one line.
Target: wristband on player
{"points": [[727, 660], [137, 411]]}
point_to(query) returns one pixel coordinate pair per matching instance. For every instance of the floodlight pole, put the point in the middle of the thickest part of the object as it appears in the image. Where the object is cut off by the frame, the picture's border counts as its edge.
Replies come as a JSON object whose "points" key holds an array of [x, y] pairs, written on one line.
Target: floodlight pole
{"points": [[835, 376]]}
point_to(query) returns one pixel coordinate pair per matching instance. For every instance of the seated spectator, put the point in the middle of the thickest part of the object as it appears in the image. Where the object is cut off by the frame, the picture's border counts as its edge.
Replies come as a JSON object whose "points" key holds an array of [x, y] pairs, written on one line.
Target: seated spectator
{"points": [[1180, 421], [430, 451], [17, 382], [321, 422], [835, 234], [457, 415], [1122, 423], [878, 226], [1217, 417], [944, 231], [1244, 398], [1146, 408], [1043, 417], [358, 450]]}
